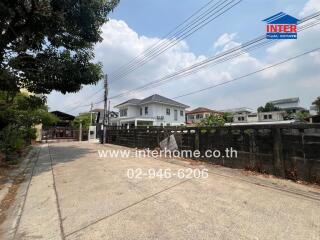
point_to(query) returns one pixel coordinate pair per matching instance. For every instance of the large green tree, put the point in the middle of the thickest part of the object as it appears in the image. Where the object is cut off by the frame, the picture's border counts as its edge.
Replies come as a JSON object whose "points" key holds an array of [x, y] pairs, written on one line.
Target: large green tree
{"points": [[18, 116], [47, 45]]}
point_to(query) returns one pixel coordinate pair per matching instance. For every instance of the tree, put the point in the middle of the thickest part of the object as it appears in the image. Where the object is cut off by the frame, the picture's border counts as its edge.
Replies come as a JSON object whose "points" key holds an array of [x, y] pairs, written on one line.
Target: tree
{"points": [[18, 116], [228, 117], [214, 120], [317, 103], [84, 119], [301, 116], [47, 45], [269, 107]]}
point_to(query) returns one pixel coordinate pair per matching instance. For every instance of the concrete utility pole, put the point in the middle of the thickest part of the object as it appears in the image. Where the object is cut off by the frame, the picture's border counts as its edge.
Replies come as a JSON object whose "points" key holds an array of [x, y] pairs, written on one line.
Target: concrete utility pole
{"points": [[105, 108], [108, 117], [91, 108]]}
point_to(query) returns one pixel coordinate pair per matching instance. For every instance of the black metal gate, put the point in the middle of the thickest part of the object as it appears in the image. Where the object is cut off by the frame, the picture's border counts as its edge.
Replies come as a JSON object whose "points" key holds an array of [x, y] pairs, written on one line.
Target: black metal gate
{"points": [[63, 133]]}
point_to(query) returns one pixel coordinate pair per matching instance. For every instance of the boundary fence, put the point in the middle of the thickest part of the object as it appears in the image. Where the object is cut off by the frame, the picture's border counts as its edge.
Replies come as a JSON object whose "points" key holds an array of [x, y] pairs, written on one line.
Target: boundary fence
{"points": [[290, 151]]}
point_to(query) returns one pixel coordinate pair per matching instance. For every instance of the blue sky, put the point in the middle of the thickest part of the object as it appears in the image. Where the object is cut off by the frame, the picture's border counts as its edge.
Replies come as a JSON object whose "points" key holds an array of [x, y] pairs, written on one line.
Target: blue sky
{"points": [[137, 24], [156, 18]]}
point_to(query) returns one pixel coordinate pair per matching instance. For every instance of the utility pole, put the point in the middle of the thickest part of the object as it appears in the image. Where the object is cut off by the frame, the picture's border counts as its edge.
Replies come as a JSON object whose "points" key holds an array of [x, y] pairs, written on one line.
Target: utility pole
{"points": [[105, 108], [91, 108], [109, 113]]}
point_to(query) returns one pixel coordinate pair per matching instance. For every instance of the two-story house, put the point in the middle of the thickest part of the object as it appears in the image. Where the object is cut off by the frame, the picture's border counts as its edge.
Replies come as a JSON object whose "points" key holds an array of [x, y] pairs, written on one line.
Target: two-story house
{"points": [[155, 110], [196, 115]]}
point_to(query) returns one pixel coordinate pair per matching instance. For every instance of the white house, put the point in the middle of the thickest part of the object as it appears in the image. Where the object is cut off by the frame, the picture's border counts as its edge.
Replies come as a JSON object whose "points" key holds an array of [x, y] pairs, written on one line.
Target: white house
{"points": [[288, 104], [259, 117], [155, 110]]}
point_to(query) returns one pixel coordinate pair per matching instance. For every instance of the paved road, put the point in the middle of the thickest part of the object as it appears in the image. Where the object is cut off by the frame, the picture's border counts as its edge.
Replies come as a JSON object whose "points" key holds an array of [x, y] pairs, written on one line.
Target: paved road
{"points": [[74, 194]]}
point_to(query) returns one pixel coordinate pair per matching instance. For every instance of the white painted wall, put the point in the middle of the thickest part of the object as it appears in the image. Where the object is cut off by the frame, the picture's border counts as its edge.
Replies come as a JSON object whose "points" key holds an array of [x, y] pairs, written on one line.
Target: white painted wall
{"points": [[155, 110]]}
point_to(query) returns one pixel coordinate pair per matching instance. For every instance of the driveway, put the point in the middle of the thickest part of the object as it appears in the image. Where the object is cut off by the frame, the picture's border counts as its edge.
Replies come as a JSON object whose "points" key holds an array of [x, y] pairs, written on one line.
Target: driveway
{"points": [[75, 194]]}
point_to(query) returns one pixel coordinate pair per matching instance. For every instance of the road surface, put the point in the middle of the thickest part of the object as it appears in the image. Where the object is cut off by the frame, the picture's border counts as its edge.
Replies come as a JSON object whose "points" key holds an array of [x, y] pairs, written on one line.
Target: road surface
{"points": [[72, 193]]}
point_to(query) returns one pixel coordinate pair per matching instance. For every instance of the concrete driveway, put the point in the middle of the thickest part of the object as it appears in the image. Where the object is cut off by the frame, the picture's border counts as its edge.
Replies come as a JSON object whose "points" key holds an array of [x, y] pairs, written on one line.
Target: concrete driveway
{"points": [[75, 194]]}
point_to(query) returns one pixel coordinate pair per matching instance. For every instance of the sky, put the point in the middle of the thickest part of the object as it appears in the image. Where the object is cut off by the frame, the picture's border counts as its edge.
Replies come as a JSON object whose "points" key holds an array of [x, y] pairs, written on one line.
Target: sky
{"points": [[136, 25]]}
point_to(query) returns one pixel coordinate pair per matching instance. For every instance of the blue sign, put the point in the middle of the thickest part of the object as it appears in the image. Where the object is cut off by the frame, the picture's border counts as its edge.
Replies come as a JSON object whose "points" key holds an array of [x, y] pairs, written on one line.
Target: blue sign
{"points": [[281, 26]]}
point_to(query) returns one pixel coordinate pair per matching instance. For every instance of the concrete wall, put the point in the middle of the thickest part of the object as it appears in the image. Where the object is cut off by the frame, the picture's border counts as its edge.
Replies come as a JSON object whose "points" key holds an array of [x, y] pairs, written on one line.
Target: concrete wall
{"points": [[289, 151]]}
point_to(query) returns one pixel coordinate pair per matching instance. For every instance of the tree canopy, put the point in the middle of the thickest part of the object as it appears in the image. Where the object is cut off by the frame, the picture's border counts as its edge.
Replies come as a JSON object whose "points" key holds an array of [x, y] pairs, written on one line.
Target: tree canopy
{"points": [[269, 107], [84, 118], [214, 120], [47, 45], [19, 113]]}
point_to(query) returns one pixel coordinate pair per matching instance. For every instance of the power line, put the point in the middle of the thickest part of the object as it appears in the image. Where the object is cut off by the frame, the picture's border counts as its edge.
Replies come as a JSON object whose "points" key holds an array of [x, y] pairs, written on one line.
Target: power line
{"points": [[184, 74], [249, 74], [164, 38], [200, 66], [219, 57], [176, 39]]}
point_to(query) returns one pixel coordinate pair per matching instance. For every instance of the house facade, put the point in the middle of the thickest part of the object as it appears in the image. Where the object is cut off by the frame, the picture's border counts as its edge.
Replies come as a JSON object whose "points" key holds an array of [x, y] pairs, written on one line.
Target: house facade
{"points": [[259, 117], [288, 104], [155, 110], [196, 115]]}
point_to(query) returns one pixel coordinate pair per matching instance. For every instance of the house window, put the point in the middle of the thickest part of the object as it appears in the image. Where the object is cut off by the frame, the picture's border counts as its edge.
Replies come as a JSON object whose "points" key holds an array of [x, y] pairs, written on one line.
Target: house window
{"points": [[140, 111], [181, 113], [175, 115], [191, 117], [199, 116], [240, 119], [168, 111], [123, 112], [265, 116], [146, 110], [270, 116]]}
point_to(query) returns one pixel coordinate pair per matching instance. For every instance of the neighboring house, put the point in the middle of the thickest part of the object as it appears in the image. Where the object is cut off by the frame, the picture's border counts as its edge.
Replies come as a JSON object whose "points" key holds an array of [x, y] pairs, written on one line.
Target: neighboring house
{"points": [[155, 110], [98, 115], [196, 115], [289, 104], [259, 117], [271, 116], [245, 117], [314, 110]]}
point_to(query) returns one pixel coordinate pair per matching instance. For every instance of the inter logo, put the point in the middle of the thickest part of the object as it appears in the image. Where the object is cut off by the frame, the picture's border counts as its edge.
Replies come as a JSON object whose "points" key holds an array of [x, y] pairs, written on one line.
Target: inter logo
{"points": [[281, 26]]}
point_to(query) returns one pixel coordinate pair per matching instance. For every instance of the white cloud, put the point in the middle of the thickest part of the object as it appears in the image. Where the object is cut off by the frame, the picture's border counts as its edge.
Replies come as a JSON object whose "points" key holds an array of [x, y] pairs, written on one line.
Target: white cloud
{"points": [[311, 7], [225, 42], [224, 39], [121, 43]]}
